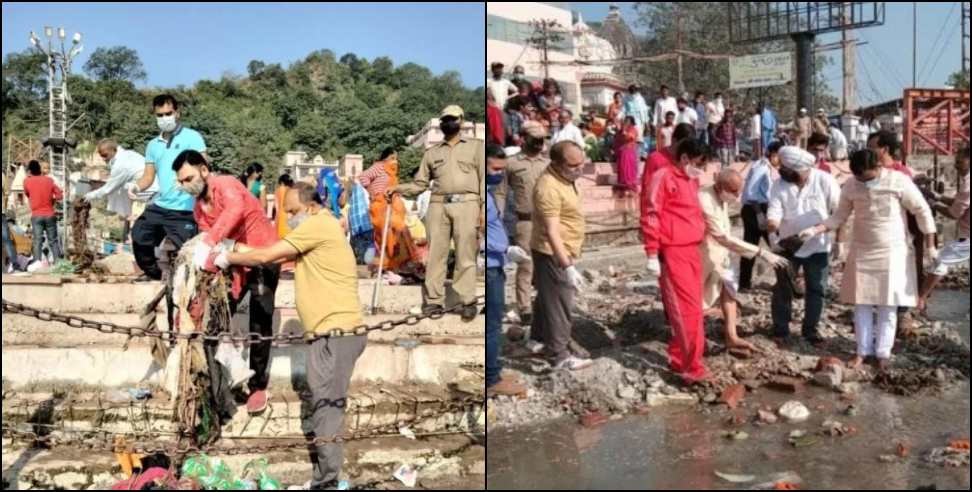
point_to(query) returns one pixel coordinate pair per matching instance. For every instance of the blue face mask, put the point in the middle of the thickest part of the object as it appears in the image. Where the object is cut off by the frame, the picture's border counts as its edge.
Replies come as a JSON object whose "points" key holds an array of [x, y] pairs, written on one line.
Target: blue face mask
{"points": [[494, 179]]}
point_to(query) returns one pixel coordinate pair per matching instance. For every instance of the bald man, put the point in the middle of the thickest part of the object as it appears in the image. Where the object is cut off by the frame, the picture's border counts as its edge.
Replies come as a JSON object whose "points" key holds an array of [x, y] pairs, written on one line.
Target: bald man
{"points": [[719, 279]]}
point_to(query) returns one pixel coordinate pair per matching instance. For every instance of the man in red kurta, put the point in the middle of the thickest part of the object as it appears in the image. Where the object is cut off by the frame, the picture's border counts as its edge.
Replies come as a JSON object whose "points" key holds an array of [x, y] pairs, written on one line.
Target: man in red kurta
{"points": [[226, 211], [673, 228]]}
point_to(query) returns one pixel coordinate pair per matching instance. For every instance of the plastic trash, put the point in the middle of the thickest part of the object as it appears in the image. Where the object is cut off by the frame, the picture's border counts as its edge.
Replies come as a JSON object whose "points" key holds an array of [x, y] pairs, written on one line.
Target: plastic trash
{"points": [[407, 475], [231, 358], [407, 433], [263, 479]]}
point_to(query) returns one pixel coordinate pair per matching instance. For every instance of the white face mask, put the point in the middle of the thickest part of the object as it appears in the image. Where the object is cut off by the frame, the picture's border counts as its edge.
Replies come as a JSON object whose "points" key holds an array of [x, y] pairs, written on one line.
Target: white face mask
{"points": [[166, 123], [728, 198], [693, 171], [296, 220]]}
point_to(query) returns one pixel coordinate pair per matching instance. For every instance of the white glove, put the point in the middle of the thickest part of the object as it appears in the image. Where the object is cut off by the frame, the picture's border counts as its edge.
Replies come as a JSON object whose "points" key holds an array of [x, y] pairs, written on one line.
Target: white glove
{"points": [[654, 267], [133, 191], [222, 260], [200, 254], [761, 220], [575, 278], [518, 255], [89, 196], [480, 262], [774, 260], [808, 234]]}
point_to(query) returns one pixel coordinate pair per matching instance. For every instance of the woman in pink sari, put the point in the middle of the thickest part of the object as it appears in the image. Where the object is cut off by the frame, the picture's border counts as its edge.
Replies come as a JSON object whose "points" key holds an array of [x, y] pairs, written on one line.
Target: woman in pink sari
{"points": [[626, 150]]}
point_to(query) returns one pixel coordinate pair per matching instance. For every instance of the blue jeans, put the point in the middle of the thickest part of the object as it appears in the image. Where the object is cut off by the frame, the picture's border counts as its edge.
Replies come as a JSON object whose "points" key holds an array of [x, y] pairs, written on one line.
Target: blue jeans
{"points": [[495, 305], [45, 226], [815, 269], [8, 244]]}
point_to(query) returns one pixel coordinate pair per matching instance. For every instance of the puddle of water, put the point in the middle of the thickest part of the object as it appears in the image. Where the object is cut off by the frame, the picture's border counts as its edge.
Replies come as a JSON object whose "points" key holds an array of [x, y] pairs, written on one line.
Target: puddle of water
{"points": [[680, 448]]}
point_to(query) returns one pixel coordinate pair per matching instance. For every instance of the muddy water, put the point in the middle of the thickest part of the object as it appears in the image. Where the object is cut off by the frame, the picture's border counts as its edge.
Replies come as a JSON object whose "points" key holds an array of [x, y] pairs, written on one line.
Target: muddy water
{"points": [[681, 448]]}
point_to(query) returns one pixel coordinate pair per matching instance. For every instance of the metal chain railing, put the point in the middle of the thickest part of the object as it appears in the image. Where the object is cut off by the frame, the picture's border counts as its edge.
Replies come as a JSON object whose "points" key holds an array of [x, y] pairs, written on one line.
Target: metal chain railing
{"points": [[59, 436], [282, 339]]}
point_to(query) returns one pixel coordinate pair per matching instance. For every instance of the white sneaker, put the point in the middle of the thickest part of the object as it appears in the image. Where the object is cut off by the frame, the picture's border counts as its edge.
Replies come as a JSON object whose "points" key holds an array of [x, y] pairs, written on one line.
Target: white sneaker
{"points": [[573, 363], [534, 347], [512, 317]]}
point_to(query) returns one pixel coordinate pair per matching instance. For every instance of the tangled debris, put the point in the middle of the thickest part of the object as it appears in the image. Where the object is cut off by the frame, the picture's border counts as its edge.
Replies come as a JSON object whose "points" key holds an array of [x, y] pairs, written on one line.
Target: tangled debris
{"points": [[630, 373]]}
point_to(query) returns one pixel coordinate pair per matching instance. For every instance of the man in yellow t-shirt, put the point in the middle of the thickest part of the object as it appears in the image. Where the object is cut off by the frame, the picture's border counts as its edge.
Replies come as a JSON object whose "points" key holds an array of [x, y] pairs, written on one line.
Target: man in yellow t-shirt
{"points": [[326, 284]]}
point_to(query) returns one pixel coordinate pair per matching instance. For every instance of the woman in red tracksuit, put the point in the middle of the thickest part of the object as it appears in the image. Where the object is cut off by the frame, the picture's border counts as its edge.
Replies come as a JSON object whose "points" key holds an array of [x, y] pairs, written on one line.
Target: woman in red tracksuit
{"points": [[673, 228]]}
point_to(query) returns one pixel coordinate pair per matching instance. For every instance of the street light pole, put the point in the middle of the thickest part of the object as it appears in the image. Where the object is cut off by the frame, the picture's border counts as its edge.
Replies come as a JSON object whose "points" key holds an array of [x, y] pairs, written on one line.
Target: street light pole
{"points": [[58, 70]]}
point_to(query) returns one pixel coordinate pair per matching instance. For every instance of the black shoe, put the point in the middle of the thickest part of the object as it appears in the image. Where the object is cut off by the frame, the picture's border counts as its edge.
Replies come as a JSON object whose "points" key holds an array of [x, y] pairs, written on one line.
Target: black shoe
{"points": [[469, 313], [431, 309]]}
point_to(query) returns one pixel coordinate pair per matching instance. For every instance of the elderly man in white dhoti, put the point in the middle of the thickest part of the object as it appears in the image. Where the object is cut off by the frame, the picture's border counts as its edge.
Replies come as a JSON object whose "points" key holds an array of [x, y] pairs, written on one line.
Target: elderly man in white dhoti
{"points": [[719, 280], [880, 274]]}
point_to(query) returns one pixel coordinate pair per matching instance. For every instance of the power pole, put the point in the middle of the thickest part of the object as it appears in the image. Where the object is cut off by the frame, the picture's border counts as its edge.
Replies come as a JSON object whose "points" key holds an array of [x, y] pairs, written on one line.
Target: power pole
{"points": [[914, 45], [965, 37], [545, 32], [849, 65]]}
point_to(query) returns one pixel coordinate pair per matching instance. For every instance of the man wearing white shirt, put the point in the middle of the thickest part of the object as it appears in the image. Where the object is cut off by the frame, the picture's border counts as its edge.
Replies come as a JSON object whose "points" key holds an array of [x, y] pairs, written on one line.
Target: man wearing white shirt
{"points": [[803, 197], [127, 166], [686, 114], [568, 131], [501, 88], [634, 105], [715, 110], [664, 104]]}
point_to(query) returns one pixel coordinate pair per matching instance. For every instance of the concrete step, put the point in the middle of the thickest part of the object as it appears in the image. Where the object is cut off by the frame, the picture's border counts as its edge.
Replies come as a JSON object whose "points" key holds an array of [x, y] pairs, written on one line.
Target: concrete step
{"points": [[28, 331], [52, 293], [369, 406], [456, 462], [430, 360]]}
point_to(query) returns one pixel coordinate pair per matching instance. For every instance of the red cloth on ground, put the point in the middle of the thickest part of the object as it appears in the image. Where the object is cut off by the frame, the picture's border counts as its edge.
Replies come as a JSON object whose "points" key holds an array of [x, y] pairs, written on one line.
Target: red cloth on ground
{"points": [[42, 192]]}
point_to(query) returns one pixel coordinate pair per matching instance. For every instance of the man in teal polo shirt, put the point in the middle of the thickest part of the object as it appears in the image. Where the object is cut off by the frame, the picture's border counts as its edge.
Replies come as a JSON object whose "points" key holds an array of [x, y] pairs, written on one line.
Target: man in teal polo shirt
{"points": [[170, 213]]}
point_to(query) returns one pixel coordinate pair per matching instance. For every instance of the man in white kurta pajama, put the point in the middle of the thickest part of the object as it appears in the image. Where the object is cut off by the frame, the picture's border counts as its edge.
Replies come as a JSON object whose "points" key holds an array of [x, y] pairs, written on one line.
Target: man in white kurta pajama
{"points": [[880, 273], [719, 280]]}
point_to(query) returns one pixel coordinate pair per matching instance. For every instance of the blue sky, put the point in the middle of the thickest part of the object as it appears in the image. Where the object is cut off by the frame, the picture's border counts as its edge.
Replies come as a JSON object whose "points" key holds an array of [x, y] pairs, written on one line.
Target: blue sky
{"points": [[887, 66], [183, 43]]}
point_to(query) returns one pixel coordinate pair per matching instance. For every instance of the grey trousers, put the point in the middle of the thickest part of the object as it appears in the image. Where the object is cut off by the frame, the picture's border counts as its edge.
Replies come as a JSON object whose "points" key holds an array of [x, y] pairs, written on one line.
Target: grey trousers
{"points": [[330, 362], [552, 320]]}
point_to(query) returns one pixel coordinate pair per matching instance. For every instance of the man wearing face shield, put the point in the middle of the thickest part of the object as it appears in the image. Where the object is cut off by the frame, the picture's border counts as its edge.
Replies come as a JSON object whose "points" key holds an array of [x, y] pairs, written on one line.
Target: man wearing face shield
{"points": [[170, 213], [521, 176], [457, 206], [228, 214], [673, 228], [803, 197]]}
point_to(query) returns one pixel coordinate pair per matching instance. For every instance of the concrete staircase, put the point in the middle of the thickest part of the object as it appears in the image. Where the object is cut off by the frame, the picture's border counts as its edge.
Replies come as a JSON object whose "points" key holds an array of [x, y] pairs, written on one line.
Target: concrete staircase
{"points": [[76, 378]]}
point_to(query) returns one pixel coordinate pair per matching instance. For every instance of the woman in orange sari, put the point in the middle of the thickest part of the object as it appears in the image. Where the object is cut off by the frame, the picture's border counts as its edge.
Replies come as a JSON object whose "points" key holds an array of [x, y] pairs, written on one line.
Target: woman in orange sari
{"points": [[401, 255]]}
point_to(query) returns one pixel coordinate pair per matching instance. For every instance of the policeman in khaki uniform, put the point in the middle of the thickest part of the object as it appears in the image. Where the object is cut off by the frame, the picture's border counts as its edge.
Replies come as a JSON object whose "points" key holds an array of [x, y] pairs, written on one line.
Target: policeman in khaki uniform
{"points": [[522, 172], [456, 209]]}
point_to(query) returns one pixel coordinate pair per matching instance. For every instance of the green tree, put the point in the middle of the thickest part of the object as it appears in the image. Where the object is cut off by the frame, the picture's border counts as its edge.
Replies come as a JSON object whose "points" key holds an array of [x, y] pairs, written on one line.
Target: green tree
{"points": [[959, 80], [115, 63]]}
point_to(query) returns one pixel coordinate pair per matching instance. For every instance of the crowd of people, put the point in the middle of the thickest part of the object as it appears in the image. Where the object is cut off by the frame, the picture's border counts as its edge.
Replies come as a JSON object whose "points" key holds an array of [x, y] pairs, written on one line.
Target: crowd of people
{"points": [[794, 212], [177, 192]]}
